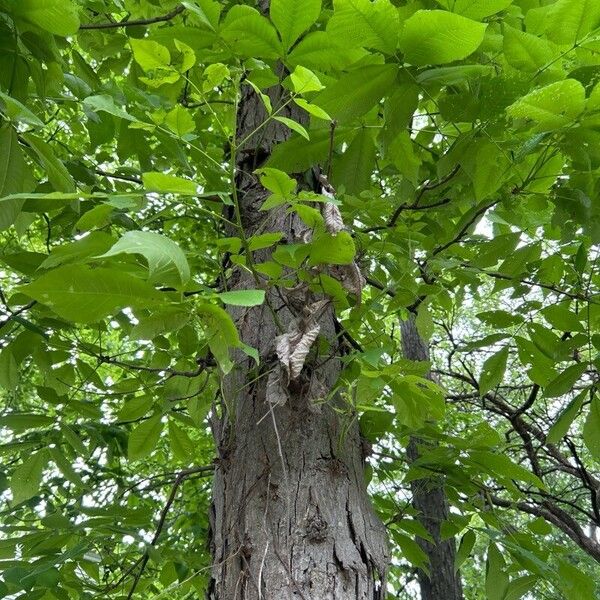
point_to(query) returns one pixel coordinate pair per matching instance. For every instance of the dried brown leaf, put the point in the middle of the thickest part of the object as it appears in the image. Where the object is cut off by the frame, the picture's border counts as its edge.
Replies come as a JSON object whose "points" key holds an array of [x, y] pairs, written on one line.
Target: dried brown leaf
{"points": [[333, 218]]}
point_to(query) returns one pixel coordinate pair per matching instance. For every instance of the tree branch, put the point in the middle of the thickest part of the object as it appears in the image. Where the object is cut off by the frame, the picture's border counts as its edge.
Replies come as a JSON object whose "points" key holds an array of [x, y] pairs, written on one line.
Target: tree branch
{"points": [[558, 518], [139, 22], [429, 185], [181, 477]]}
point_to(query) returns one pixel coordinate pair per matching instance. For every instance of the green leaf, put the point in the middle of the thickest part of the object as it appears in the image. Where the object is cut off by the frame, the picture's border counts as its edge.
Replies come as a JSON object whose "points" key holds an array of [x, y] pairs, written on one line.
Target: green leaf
{"points": [[159, 322], [58, 175], [417, 400], [221, 333], [9, 370], [135, 409], [18, 112], [454, 75], [181, 444], [540, 526], [168, 184], [248, 34], [312, 109], [56, 16], [93, 244], [548, 343], [84, 295], [503, 466], [476, 162], [405, 158], [106, 103], [166, 261], [15, 176], [565, 381], [591, 429], [266, 100], [353, 169], [27, 477], [475, 9], [574, 584], [551, 107], [97, 217], [180, 121], [500, 318], [73, 439], [65, 466], [304, 80], [526, 52], [357, 92], [187, 57], [293, 18], [365, 23], [243, 297], [424, 322], [434, 37], [322, 52], [143, 439], [18, 422], [276, 181], [464, 549], [496, 578], [208, 11], [562, 318], [294, 126], [187, 340], [263, 240], [298, 154], [566, 418], [150, 55], [493, 371], [568, 21], [331, 249], [410, 550]]}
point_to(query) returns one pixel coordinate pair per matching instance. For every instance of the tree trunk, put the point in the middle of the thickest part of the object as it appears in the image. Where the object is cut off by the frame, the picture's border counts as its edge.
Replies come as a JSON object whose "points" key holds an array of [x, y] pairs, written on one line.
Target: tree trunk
{"points": [[429, 499], [291, 518]]}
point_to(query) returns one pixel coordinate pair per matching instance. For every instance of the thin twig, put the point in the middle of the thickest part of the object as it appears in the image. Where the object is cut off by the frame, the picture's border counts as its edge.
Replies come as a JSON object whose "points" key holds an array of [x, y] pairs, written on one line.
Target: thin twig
{"points": [[130, 178], [415, 206], [16, 313], [138, 22], [163, 517]]}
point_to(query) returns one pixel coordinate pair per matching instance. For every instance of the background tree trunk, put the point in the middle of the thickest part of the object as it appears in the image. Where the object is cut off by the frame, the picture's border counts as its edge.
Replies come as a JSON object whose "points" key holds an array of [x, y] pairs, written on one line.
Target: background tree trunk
{"points": [[291, 517], [429, 499]]}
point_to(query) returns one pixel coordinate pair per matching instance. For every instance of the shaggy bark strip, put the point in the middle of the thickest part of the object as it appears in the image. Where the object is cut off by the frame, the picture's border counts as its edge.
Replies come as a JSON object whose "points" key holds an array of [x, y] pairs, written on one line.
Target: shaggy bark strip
{"points": [[429, 499], [291, 518]]}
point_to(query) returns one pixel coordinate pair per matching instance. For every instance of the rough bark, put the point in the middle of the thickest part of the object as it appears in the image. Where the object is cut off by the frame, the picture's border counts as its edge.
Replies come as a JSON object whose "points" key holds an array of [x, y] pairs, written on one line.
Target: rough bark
{"points": [[429, 499], [291, 517]]}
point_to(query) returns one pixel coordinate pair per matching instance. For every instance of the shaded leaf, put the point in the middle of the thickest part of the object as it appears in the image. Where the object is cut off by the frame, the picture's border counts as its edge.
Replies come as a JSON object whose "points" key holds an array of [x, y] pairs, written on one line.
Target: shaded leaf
{"points": [[144, 438], [84, 295], [27, 477], [166, 261]]}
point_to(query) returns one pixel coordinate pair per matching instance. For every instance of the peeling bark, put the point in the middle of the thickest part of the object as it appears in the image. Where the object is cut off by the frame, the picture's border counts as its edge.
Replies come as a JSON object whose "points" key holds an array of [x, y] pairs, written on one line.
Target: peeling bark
{"points": [[429, 499], [291, 518]]}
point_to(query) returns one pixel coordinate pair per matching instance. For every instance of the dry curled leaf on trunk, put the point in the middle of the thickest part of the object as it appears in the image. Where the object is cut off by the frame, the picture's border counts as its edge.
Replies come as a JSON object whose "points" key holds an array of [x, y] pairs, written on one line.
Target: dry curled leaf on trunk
{"points": [[353, 280], [350, 275], [332, 217], [276, 392], [331, 213], [293, 347]]}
